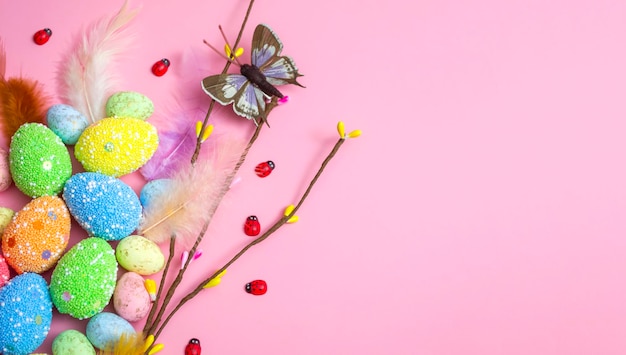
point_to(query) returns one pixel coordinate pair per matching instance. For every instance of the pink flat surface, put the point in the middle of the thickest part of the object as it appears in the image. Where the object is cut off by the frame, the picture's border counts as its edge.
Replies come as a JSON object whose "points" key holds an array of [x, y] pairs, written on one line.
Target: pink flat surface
{"points": [[481, 212]]}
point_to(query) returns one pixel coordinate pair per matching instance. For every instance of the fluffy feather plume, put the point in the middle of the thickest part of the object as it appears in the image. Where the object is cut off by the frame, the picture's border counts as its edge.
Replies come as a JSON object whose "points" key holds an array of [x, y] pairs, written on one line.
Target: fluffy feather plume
{"points": [[22, 100], [128, 344], [183, 208], [85, 79]]}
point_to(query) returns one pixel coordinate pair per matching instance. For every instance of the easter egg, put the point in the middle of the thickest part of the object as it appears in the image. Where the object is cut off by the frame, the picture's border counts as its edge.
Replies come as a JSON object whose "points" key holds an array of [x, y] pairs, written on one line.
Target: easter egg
{"points": [[130, 299], [66, 122], [38, 160], [5, 274], [104, 206], [116, 146], [25, 314], [37, 235], [105, 329], [84, 279], [72, 342], [6, 214], [152, 190], [129, 104], [5, 172], [139, 254]]}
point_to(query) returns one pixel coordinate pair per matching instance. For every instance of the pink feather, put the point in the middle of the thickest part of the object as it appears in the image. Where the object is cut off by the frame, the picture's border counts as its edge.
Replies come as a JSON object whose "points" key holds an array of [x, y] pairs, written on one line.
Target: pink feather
{"points": [[85, 79], [184, 208]]}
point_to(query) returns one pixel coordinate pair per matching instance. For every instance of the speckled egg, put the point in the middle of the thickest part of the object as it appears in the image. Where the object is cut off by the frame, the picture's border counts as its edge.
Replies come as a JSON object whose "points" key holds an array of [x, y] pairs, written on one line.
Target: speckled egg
{"points": [[5, 274], [84, 279], [66, 122], [25, 314], [104, 206], [131, 301], [72, 342], [105, 329], [37, 235], [152, 190], [39, 162], [139, 254], [116, 146], [5, 172], [129, 104], [6, 214]]}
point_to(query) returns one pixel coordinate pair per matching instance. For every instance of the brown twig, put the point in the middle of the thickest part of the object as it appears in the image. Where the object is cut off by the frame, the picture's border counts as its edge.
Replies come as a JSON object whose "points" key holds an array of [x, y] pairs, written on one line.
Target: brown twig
{"points": [[258, 240], [161, 284]]}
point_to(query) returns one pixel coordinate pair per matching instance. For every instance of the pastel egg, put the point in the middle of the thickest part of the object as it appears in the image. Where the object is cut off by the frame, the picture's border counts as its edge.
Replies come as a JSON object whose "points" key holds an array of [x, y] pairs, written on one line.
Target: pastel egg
{"points": [[105, 329], [139, 254], [25, 314], [116, 146], [131, 301], [6, 214], [84, 279], [39, 162], [72, 342], [5, 172], [104, 206], [5, 274], [66, 122], [152, 191], [129, 104], [37, 235]]}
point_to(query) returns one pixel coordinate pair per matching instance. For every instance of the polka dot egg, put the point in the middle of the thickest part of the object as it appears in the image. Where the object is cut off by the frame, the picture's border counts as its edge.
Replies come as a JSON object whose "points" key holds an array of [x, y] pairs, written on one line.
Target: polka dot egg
{"points": [[116, 146], [37, 235], [84, 279], [104, 206], [38, 160], [25, 314]]}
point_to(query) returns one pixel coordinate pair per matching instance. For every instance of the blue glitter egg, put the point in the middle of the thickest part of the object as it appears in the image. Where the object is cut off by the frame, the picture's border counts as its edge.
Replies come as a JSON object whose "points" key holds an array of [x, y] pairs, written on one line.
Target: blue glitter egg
{"points": [[25, 314], [104, 206]]}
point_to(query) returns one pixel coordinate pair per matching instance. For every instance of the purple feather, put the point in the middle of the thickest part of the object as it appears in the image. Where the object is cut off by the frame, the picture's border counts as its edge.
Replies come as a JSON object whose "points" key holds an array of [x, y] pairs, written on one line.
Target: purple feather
{"points": [[175, 148]]}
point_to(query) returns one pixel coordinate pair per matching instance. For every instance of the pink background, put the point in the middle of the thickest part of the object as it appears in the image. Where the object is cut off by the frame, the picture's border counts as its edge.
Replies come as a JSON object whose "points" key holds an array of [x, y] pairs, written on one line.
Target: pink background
{"points": [[482, 211]]}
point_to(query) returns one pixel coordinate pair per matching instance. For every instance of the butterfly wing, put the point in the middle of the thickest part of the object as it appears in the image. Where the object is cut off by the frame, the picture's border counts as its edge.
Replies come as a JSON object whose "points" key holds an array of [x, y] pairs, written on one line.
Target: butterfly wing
{"points": [[266, 48], [249, 101]]}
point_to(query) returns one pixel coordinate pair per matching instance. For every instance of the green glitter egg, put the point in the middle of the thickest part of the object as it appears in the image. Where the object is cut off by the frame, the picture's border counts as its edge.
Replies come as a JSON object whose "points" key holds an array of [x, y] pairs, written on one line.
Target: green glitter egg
{"points": [[116, 146], [39, 161], [129, 104], [84, 279]]}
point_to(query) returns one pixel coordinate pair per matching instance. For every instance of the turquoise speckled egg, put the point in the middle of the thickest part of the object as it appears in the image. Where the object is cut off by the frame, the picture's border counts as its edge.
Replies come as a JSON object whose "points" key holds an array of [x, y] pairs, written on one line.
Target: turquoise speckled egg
{"points": [[84, 279], [129, 104], [66, 122], [25, 314], [104, 206], [39, 161], [152, 191], [105, 329]]}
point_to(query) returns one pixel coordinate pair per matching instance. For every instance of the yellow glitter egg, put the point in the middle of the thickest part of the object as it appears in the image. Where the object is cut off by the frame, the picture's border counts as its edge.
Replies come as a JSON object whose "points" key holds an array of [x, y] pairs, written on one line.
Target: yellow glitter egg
{"points": [[116, 146], [37, 236]]}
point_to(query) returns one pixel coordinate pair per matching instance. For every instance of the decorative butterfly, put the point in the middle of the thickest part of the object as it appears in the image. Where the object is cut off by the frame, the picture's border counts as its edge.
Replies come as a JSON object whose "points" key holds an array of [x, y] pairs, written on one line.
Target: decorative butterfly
{"points": [[257, 81]]}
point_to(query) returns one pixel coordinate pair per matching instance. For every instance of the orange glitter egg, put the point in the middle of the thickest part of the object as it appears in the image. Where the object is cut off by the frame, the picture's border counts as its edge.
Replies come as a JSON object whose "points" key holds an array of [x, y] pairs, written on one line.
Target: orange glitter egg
{"points": [[37, 235]]}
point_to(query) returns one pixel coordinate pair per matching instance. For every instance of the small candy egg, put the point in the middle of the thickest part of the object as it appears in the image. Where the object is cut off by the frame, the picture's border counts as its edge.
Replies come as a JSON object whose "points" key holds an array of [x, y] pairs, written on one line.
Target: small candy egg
{"points": [[41, 37], [72, 342], [105, 329], [6, 214], [256, 287], [152, 191], [139, 254], [160, 68], [131, 299], [5, 172], [129, 104], [66, 122], [252, 227], [264, 169]]}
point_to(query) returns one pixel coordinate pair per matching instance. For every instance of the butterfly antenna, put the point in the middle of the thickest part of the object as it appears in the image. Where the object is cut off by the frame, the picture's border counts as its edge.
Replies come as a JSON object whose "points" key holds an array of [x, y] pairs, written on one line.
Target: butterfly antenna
{"points": [[220, 53], [232, 50]]}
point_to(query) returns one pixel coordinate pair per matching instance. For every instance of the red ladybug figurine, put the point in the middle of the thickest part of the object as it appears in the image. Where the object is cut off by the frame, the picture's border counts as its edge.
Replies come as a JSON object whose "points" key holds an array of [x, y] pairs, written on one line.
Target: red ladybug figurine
{"points": [[256, 287], [264, 169], [160, 68], [252, 227], [193, 348], [42, 36]]}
